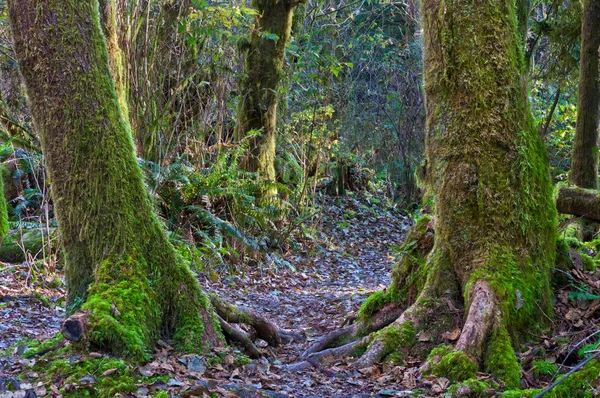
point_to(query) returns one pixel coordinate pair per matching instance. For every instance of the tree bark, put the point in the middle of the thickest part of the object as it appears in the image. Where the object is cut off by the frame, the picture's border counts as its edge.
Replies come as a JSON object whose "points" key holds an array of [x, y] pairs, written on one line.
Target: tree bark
{"points": [[579, 202], [495, 222], [260, 86], [116, 58], [121, 269], [584, 170]]}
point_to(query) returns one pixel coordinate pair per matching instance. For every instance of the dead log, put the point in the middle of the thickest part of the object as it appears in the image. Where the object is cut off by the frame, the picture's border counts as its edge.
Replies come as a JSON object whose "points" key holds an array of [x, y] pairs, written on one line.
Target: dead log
{"points": [[74, 327], [578, 202]]}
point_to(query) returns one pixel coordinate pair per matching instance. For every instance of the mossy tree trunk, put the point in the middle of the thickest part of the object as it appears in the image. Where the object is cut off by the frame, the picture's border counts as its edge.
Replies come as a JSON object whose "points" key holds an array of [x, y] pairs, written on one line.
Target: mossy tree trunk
{"points": [[121, 269], [584, 168], [490, 258], [260, 87], [116, 58]]}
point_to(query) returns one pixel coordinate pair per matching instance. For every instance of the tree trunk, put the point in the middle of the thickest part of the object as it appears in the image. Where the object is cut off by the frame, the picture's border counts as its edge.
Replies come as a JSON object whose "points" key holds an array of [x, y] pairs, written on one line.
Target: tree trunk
{"points": [[495, 220], [260, 86], [584, 170], [488, 269], [120, 266], [116, 58]]}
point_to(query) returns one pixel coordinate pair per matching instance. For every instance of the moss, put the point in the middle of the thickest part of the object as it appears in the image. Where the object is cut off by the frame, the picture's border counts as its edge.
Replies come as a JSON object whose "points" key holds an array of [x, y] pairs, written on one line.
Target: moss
{"points": [[124, 380], [476, 387], [42, 299], [580, 384], [395, 338], [529, 393], [457, 366], [3, 209], [123, 311], [539, 367], [162, 394], [501, 360]]}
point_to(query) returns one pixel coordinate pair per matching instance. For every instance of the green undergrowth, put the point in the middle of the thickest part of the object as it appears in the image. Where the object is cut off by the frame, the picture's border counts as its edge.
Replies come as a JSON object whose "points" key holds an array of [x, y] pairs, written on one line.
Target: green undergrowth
{"points": [[541, 368], [75, 369], [71, 368]]}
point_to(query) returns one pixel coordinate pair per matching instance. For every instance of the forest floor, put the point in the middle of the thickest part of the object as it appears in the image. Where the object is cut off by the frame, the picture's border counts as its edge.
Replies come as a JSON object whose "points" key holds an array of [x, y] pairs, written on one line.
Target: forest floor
{"points": [[349, 257]]}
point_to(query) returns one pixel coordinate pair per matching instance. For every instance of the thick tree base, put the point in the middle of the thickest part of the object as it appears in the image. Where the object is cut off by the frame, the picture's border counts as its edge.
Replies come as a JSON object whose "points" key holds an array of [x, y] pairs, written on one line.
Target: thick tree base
{"points": [[423, 308]]}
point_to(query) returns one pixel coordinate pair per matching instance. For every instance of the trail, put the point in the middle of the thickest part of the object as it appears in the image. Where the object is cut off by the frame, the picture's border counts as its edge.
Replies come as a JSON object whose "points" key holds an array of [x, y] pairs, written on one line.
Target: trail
{"points": [[350, 258], [346, 254]]}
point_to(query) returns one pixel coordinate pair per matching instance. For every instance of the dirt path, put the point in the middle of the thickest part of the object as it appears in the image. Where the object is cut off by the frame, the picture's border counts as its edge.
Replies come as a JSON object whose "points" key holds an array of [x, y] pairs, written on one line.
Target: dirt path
{"points": [[328, 277], [352, 259]]}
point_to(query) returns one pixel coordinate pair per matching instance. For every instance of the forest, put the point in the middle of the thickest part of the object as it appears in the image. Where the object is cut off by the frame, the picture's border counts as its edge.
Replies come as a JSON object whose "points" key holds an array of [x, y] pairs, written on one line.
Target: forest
{"points": [[299, 198]]}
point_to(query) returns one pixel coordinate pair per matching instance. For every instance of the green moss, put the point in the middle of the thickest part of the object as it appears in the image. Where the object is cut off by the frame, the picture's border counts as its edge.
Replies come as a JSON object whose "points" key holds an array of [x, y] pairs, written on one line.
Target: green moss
{"points": [[42, 299], [529, 393], [476, 387], [457, 366], [162, 394], [501, 360], [3, 209], [395, 338], [123, 381], [579, 384], [539, 367], [124, 315]]}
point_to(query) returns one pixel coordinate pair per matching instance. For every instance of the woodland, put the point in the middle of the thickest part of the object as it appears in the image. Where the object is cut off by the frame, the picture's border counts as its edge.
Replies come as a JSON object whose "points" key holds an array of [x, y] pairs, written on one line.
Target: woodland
{"points": [[299, 198]]}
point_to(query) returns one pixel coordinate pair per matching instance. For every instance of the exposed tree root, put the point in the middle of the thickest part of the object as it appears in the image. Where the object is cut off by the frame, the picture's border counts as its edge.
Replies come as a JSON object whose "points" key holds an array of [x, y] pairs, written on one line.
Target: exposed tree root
{"points": [[264, 328], [479, 320], [74, 328], [239, 336]]}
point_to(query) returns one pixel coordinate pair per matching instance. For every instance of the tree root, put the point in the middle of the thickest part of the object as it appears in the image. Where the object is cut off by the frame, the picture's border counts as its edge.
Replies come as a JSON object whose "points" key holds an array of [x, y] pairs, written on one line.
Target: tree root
{"points": [[236, 334], [75, 327], [482, 339], [264, 328], [381, 319]]}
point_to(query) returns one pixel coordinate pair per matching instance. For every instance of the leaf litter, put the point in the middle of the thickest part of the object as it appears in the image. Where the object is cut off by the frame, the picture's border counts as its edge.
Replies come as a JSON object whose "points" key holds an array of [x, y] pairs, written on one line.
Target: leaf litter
{"points": [[332, 272]]}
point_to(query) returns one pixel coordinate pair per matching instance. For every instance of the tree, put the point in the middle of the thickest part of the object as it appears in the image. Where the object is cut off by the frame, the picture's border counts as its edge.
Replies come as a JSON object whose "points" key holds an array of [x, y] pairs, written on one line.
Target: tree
{"points": [[582, 198], [121, 269], [489, 249], [584, 169], [260, 86]]}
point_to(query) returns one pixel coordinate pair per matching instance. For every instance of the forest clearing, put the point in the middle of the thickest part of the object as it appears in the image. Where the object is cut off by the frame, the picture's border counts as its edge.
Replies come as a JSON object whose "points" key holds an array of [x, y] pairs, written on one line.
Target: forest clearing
{"points": [[299, 198]]}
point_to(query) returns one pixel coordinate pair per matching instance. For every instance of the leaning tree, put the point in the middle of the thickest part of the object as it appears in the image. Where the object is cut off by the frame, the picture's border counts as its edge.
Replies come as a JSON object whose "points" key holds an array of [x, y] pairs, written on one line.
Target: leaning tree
{"points": [[483, 262], [125, 281]]}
